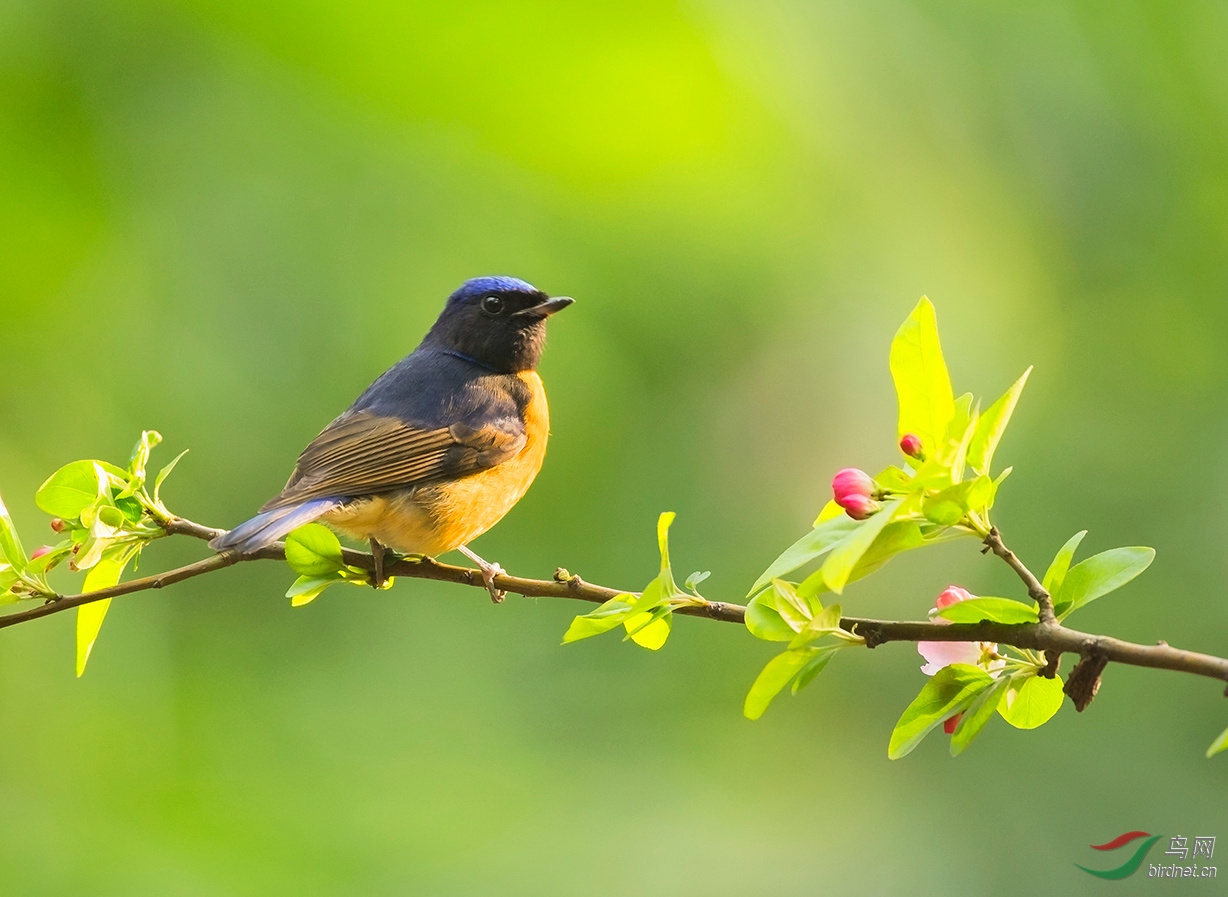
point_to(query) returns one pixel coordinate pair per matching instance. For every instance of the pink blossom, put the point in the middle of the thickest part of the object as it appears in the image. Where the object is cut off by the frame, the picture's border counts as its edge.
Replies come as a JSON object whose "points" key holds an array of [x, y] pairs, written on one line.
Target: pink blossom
{"points": [[951, 723], [910, 444], [39, 552], [951, 595], [942, 654]]}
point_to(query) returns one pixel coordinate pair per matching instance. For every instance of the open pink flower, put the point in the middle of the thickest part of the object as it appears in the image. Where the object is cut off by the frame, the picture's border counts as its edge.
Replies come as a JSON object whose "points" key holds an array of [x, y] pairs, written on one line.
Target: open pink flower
{"points": [[942, 654]]}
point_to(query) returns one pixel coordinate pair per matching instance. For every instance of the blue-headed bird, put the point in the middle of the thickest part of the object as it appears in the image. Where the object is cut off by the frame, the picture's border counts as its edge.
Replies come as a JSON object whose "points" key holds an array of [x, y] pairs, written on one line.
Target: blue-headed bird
{"points": [[438, 449]]}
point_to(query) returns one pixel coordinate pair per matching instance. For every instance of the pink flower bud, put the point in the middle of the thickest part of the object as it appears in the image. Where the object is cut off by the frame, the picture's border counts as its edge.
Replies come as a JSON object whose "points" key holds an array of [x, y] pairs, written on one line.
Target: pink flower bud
{"points": [[952, 595], [950, 724], [39, 552], [859, 507], [58, 525], [851, 481], [910, 445]]}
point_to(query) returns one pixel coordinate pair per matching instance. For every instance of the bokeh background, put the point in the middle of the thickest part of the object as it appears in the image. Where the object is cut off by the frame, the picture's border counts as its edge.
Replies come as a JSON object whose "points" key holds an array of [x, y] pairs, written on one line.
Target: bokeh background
{"points": [[222, 219]]}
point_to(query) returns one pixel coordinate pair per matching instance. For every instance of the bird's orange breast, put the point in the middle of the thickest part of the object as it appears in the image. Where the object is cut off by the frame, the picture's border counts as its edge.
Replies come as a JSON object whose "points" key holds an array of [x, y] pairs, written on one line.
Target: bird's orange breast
{"points": [[440, 517]]}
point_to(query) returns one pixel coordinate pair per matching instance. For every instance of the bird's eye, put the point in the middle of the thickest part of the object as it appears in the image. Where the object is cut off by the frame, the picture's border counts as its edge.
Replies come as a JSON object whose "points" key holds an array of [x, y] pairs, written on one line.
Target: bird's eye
{"points": [[492, 305]]}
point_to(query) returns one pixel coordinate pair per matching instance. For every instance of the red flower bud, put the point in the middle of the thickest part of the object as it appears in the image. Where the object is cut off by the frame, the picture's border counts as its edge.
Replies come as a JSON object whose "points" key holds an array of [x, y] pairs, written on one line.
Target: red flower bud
{"points": [[910, 445], [39, 552], [950, 724], [859, 507], [58, 524], [851, 481], [952, 595]]}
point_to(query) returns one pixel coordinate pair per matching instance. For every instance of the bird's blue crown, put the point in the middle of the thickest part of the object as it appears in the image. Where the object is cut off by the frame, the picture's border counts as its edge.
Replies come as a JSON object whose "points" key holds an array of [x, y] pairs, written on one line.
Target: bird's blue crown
{"points": [[481, 286]]}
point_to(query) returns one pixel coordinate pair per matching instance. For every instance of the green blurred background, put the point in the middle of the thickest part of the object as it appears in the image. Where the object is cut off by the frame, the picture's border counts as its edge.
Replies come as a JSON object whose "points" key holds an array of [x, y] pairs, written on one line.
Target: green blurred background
{"points": [[223, 219]]}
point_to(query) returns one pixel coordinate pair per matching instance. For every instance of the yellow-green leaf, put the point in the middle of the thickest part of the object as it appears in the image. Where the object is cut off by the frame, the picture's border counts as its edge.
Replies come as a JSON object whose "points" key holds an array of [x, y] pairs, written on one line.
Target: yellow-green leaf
{"points": [[313, 550], [650, 629], [102, 575], [950, 691], [1057, 571], [844, 557], [1032, 702], [778, 673], [992, 425], [1220, 744], [922, 383]]}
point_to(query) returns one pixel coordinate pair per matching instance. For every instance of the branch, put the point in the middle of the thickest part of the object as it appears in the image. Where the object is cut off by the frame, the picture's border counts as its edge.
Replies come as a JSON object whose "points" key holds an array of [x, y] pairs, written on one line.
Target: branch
{"points": [[1044, 636], [1036, 591]]}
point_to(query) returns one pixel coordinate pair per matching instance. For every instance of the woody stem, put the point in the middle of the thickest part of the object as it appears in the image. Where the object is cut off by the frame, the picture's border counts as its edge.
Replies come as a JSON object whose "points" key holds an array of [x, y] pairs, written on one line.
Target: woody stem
{"points": [[1049, 636]]}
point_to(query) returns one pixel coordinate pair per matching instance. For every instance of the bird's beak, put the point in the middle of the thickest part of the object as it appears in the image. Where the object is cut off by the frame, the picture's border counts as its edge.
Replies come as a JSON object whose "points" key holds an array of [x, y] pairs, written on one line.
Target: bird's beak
{"points": [[545, 309]]}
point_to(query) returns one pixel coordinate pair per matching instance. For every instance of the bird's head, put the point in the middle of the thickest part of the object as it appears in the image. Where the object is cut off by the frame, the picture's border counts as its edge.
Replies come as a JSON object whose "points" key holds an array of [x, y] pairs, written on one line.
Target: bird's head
{"points": [[499, 322]]}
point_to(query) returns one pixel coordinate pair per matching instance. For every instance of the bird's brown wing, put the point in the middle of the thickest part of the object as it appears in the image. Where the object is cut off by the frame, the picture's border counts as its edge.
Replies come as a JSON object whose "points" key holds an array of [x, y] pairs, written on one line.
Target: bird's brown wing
{"points": [[364, 454]]}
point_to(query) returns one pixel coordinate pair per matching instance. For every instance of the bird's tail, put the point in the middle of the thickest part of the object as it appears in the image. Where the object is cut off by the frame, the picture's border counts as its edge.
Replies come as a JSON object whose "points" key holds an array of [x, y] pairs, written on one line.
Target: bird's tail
{"points": [[267, 527]]}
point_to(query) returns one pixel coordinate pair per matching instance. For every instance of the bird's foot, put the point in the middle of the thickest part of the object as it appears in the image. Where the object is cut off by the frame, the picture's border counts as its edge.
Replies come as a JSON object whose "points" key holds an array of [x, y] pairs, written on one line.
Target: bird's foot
{"points": [[385, 557], [489, 572]]}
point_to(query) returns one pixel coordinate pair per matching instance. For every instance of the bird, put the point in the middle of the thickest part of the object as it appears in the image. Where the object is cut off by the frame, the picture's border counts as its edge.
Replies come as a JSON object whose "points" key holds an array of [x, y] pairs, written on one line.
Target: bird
{"points": [[439, 448]]}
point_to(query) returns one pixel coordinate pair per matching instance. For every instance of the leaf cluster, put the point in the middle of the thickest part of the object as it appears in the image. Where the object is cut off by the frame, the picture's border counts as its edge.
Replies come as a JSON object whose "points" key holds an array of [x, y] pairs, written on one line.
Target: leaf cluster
{"points": [[648, 616], [108, 514]]}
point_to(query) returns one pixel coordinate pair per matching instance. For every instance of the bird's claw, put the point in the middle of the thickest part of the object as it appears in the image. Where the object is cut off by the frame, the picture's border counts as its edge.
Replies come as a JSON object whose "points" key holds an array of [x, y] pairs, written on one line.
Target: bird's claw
{"points": [[489, 572]]}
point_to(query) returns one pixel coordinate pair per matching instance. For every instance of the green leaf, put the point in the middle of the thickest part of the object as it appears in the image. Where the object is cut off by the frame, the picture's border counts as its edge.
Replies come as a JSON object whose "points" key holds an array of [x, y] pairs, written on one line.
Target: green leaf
{"points": [[816, 666], [826, 623], [950, 690], [163, 474], [1220, 744], [307, 589], [1030, 701], [992, 425], [11, 551], [650, 629], [663, 524], [603, 619], [793, 609], [959, 436], [927, 402], [111, 517], [896, 538], [815, 543], [1056, 574], [999, 610], [693, 581], [778, 673], [70, 490], [764, 621], [140, 453], [1097, 576], [943, 510], [979, 713], [844, 556], [103, 575], [132, 509], [830, 511], [313, 550]]}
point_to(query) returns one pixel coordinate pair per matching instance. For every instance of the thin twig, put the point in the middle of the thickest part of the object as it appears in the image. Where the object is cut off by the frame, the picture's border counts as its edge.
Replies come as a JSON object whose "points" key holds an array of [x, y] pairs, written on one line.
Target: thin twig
{"points": [[1036, 591], [1042, 636]]}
